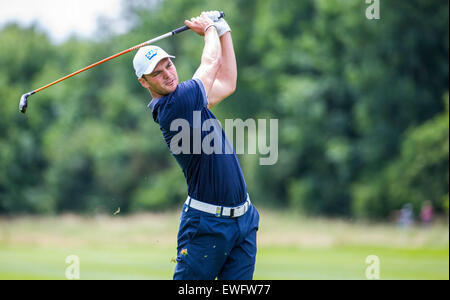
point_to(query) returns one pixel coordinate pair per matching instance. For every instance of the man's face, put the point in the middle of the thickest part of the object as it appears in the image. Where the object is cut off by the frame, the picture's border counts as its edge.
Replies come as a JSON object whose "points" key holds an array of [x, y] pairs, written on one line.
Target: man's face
{"points": [[163, 80]]}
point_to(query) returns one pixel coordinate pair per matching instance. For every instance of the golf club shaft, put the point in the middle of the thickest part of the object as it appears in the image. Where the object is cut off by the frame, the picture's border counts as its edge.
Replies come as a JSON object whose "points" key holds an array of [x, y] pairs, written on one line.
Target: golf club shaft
{"points": [[24, 99], [112, 57]]}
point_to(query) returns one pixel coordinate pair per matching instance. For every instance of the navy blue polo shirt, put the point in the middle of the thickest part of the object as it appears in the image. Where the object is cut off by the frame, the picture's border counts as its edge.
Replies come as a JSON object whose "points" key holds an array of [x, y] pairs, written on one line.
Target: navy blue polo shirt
{"points": [[216, 177]]}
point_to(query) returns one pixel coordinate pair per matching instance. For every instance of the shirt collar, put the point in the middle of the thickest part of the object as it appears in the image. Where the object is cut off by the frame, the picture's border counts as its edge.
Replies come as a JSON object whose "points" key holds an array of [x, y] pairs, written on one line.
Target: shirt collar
{"points": [[152, 103]]}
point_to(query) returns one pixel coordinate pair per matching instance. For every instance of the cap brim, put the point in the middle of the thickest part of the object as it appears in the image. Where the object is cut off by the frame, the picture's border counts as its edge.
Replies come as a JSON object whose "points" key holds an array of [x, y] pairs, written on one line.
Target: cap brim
{"points": [[153, 66]]}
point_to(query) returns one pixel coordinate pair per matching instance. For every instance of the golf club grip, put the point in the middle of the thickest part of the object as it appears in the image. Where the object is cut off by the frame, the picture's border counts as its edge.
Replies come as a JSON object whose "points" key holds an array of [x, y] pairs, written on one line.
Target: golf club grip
{"points": [[181, 29], [184, 28]]}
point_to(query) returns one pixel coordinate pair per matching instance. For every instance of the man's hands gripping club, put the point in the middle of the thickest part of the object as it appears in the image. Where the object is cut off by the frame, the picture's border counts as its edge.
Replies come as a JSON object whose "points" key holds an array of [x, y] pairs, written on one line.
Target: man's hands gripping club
{"points": [[212, 52], [225, 77], [200, 24], [215, 16], [220, 23]]}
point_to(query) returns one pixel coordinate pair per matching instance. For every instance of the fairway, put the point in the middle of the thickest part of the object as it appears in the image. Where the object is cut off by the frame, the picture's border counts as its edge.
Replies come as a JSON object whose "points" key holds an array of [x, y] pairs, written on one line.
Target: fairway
{"points": [[290, 247]]}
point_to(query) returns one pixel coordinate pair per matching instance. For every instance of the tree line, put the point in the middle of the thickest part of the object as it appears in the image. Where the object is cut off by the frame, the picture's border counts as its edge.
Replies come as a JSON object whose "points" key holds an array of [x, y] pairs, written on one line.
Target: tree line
{"points": [[362, 105]]}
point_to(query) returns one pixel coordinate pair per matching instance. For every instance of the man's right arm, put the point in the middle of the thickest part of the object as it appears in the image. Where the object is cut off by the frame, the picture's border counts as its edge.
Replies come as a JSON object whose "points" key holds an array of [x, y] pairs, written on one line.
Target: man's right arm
{"points": [[212, 52]]}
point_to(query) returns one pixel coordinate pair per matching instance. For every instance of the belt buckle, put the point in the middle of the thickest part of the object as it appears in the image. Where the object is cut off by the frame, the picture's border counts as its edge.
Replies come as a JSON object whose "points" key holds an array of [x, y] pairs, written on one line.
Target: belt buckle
{"points": [[237, 209]]}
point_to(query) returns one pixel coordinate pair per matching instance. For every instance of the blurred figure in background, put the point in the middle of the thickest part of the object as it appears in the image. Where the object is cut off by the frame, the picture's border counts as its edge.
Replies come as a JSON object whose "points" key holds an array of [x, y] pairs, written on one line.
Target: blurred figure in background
{"points": [[427, 213], [406, 217]]}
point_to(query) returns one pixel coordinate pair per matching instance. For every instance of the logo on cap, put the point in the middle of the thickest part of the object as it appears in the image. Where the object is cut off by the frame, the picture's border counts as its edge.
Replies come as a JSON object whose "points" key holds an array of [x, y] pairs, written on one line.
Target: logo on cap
{"points": [[151, 54]]}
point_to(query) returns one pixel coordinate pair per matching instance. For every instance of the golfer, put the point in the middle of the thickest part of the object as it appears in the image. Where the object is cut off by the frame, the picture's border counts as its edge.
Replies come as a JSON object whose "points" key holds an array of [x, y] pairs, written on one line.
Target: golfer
{"points": [[218, 223]]}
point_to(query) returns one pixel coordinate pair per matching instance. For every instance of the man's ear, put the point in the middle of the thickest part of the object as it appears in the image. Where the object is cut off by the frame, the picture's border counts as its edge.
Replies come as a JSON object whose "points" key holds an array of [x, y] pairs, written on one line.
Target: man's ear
{"points": [[144, 83]]}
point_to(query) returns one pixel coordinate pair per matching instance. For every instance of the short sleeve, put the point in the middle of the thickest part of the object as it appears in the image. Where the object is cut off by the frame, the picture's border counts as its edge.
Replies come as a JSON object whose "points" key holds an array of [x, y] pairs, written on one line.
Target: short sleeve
{"points": [[193, 94], [202, 90]]}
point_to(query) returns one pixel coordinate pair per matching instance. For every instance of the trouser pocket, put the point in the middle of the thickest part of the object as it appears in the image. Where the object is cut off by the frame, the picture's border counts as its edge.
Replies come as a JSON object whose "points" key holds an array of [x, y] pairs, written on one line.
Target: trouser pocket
{"points": [[203, 246]]}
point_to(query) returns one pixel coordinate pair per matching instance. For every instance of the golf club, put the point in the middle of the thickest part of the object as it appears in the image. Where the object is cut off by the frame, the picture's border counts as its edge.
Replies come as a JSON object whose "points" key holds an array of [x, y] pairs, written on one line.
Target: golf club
{"points": [[24, 99]]}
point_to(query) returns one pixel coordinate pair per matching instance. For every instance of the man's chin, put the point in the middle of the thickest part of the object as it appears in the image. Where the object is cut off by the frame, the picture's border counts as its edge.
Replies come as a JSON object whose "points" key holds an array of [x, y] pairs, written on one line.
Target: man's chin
{"points": [[172, 88]]}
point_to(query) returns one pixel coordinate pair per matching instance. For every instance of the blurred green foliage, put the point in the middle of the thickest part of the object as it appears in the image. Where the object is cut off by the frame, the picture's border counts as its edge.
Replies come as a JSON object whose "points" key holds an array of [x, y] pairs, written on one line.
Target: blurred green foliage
{"points": [[363, 128]]}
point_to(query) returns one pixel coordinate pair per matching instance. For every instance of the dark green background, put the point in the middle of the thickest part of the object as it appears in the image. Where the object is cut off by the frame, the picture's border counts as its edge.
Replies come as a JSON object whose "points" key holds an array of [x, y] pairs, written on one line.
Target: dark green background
{"points": [[362, 106]]}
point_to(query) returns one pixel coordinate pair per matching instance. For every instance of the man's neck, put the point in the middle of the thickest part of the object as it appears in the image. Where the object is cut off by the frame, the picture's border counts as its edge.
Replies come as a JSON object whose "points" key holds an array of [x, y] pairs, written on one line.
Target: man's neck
{"points": [[154, 95]]}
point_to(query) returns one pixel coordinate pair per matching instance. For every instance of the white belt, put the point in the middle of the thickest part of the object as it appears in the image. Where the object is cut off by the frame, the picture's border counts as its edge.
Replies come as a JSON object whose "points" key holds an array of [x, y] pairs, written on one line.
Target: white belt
{"points": [[219, 210]]}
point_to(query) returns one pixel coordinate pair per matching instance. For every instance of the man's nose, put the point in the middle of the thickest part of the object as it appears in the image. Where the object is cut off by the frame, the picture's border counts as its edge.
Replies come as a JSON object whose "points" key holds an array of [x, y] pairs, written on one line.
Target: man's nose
{"points": [[166, 74]]}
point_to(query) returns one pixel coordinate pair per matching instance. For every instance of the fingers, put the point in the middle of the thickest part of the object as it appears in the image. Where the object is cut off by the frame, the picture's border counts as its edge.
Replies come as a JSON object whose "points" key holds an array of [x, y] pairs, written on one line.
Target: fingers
{"points": [[214, 15], [195, 20], [199, 23], [190, 23], [207, 15]]}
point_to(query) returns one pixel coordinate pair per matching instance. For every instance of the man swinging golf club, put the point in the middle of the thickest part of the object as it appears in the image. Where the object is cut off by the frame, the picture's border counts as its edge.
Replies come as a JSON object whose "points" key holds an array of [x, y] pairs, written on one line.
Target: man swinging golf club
{"points": [[218, 224]]}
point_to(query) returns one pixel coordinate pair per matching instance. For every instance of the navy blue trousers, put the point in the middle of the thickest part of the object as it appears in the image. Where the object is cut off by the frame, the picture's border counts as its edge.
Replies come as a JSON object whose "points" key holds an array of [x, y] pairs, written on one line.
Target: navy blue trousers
{"points": [[211, 247]]}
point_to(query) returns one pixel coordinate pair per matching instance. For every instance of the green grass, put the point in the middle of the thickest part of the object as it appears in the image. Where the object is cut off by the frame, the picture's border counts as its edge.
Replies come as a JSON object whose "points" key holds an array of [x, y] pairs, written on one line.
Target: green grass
{"points": [[349, 263], [290, 247]]}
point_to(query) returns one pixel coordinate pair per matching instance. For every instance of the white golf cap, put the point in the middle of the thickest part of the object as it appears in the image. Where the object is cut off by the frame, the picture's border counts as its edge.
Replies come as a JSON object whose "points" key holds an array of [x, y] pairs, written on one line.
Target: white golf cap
{"points": [[147, 58]]}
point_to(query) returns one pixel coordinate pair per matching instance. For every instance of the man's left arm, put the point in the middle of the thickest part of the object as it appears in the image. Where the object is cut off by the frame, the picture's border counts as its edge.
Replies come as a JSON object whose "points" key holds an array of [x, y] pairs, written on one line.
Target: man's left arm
{"points": [[225, 83]]}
